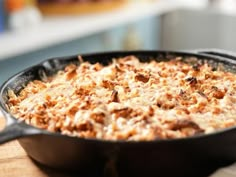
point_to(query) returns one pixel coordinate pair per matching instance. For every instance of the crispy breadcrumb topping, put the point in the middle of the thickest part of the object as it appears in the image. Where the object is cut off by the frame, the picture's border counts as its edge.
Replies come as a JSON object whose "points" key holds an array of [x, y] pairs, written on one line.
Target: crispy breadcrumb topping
{"points": [[130, 100]]}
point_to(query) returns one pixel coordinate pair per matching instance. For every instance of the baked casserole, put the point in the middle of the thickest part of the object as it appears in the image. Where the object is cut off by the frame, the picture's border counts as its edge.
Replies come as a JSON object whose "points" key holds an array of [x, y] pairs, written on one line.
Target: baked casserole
{"points": [[130, 100]]}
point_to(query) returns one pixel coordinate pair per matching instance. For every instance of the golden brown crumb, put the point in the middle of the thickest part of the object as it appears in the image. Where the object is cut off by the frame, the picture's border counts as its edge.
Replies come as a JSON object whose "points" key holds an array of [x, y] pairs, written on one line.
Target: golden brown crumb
{"points": [[130, 100]]}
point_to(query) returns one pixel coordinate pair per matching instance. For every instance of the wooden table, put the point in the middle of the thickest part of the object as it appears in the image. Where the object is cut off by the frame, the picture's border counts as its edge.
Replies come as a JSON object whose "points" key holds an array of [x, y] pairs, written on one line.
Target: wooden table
{"points": [[14, 162]]}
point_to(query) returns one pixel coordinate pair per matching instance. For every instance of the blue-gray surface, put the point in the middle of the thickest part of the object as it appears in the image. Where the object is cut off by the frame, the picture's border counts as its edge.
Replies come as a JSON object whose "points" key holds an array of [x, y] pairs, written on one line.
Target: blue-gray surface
{"points": [[147, 29]]}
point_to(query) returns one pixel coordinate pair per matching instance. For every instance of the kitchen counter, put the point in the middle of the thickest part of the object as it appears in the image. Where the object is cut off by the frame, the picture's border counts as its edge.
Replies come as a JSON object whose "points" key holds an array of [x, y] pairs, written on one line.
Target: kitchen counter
{"points": [[55, 30]]}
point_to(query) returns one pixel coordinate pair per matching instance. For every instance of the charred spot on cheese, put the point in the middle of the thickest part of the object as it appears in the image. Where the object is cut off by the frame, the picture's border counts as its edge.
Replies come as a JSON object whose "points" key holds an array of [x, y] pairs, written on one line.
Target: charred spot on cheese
{"points": [[151, 111], [214, 88], [196, 67], [214, 69], [181, 92], [98, 117], [180, 124], [85, 126], [217, 93], [123, 112], [192, 80], [142, 78], [108, 84], [118, 69], [165, 104], [115, 96], [202, 94]]}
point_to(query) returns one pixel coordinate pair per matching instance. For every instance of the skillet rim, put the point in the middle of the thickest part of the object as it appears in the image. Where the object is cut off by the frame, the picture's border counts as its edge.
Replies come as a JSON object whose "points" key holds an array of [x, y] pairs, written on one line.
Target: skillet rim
{"points": [[7, 115]]}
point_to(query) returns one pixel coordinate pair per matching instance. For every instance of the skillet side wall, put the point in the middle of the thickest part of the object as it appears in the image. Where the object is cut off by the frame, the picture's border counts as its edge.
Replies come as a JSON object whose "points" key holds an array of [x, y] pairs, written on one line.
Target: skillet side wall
{"points": [[186, 157], [193, 157]]}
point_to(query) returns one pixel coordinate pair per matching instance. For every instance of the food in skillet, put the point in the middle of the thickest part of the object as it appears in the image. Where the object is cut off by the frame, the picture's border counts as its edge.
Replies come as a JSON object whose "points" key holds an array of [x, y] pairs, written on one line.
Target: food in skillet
{"points": [[130, 100]]}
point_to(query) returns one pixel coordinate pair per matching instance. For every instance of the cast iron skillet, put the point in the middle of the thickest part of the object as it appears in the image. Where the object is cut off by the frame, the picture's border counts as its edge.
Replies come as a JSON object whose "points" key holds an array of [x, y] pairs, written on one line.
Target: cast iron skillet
{"points": [[193, 156]]}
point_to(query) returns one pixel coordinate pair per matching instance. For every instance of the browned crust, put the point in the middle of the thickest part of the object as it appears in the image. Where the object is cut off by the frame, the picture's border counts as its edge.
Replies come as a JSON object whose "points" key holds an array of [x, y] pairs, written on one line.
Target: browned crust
{"points": [[130, 100]]}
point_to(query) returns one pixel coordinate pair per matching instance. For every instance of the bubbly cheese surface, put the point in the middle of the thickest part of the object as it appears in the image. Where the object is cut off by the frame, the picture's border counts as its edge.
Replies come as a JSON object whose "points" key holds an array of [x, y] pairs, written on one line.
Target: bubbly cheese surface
{"points": [[130, 100]]}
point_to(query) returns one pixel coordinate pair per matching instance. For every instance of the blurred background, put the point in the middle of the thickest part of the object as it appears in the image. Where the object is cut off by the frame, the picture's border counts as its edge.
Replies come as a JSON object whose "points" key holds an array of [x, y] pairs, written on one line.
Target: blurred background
{"points": [[34, 30]]}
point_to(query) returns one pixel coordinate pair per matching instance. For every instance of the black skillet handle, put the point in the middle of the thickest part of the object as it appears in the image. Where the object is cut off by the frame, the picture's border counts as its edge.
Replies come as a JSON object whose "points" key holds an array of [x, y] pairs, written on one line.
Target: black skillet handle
{"points": [[217, 52], [14, 130]]}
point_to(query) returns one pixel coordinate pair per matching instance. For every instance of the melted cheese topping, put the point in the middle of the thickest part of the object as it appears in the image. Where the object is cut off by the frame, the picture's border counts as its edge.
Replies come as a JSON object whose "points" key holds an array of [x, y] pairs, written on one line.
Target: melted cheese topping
{"points": [[130, 100]]}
